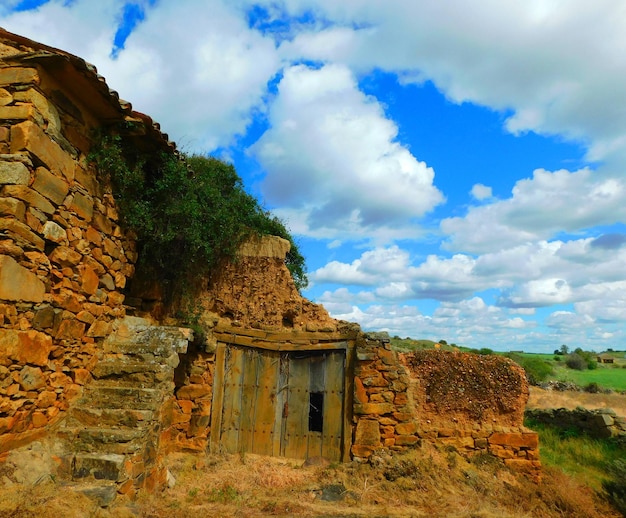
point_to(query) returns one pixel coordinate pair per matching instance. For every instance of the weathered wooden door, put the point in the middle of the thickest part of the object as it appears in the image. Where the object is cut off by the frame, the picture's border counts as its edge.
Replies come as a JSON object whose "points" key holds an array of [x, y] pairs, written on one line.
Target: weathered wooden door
{"points": [[286, 404]]}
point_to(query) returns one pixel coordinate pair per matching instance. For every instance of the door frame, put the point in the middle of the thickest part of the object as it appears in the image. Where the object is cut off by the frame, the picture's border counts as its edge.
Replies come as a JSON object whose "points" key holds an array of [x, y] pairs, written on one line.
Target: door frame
{"points": [[283, 342]]}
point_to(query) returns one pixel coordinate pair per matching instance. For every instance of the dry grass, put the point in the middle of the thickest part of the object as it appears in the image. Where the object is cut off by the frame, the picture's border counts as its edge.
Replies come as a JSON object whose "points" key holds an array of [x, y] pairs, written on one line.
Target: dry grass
{"points": [[540, 398], [427, 482]]}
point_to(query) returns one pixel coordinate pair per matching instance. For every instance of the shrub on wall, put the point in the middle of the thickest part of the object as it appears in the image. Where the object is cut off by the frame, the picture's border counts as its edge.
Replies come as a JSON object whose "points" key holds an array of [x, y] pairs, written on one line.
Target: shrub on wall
{"points": [[188, 212]]}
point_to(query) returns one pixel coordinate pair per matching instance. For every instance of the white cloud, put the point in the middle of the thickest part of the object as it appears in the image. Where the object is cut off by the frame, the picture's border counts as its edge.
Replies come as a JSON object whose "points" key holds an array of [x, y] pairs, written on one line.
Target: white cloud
{"points": [[558, 66], [332, 155], [196, 68], [481, 192], [540, 207]]}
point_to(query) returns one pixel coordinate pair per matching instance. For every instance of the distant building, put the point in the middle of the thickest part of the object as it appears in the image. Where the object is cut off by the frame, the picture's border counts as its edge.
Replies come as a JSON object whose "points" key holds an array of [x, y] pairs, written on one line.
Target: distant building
{"points": [[605, 358]]}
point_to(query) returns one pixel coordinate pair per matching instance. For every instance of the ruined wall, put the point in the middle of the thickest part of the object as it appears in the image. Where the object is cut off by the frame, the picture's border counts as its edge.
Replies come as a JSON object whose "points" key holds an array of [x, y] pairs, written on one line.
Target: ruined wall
{"points": [[472, 403], [63, 258], [601, 423], [475, 404]]}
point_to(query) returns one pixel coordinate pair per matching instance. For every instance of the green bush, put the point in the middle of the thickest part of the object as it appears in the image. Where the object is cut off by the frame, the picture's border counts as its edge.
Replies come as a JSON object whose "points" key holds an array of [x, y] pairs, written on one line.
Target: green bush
{"points": [[189, 213], [616, 487], [537, 369], [576, 361]]}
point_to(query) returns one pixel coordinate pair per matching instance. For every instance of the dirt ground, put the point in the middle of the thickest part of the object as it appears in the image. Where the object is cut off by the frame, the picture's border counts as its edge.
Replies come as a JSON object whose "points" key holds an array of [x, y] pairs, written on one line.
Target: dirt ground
{"points": [[540, 398]]}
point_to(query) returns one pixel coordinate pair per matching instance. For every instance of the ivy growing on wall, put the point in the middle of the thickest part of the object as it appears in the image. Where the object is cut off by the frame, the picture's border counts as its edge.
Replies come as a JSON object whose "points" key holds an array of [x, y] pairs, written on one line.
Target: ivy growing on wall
{"points": [[188, 212]]}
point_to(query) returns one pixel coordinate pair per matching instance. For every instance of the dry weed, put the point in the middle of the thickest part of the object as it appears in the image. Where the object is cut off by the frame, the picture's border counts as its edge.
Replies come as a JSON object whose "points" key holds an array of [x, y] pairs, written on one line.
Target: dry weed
{"points": [[427, 482]]}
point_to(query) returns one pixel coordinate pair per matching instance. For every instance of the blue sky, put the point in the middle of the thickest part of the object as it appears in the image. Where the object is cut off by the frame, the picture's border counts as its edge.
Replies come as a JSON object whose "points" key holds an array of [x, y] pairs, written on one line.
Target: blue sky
{"points": [[452, 170]]}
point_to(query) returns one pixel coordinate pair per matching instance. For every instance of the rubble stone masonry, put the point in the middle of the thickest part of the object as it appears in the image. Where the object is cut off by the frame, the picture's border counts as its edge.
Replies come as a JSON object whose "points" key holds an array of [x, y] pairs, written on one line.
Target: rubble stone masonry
{"points": [[64, 260]]}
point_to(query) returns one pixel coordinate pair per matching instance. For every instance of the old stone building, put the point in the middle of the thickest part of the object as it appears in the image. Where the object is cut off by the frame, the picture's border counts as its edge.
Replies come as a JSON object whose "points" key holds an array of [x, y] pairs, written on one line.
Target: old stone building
{"points": [[98, 381]]}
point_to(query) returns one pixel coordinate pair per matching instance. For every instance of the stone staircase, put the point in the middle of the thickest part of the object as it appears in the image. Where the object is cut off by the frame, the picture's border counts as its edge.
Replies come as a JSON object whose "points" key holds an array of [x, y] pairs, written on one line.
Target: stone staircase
{"points": [[110, 438]]}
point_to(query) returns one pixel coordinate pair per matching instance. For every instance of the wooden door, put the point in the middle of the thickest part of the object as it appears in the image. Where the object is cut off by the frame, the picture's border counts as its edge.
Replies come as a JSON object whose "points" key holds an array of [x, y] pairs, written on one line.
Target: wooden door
{"points": [[278, 403]]}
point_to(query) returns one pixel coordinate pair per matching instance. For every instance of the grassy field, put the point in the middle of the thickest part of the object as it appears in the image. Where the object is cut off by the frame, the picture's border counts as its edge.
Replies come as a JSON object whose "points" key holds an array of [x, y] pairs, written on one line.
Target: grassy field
{"points": [[605, 376]]}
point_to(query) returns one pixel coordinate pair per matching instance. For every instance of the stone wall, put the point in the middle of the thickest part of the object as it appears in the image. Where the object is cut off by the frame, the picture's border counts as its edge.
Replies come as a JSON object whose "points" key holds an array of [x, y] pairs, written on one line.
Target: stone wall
{"points": [[64, 260], [472, 403], [602, 423], [383, 411]]}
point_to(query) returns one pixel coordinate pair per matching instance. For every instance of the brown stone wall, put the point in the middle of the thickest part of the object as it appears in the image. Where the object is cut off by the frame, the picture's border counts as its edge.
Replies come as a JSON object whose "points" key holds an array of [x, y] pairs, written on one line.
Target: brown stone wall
{"points": [[188, 413], [64, 260], [383, 412], [473, 403]]}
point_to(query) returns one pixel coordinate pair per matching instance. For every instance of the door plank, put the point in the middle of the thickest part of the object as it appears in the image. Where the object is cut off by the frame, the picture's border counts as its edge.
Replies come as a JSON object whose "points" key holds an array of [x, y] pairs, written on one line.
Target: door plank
{"points": [[233, 374], [295, 438], [268, 365], [333, 406], [249, 384]]}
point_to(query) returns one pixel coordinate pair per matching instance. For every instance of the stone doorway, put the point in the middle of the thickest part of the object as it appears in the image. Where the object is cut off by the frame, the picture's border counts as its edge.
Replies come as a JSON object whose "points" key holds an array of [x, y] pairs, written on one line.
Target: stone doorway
{"points": [[280, 403]]}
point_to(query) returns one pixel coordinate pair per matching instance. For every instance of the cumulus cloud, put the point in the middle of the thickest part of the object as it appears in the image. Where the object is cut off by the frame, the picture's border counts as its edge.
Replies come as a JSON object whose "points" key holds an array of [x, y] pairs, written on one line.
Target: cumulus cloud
{"points": [[332, 154], [558, 68], [481, 192], [195, 67], [539, 208]]}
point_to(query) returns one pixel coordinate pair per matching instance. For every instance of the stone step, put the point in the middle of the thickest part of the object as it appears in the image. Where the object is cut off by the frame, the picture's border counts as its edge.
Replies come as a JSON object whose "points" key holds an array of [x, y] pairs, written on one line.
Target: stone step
{"points": [[115, 396], [103, 493], [97, 440], [157, 341], [103, 466], [132, 370], [89, 416]]}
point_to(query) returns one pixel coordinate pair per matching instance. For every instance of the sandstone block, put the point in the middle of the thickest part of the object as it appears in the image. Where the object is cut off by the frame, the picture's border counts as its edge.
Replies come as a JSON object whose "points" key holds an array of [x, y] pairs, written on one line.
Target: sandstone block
{"points": [[52, 187], [406, 440], [31, 378], [107, 282], [362, 451], [367, 433], [515, 440], [88, 180], [406, 428], [102, 223], [44, 318], [28, 195], [28, 136], [64, 256], [460, 443], [18, 75], [93, 236], [99, 329], [12, 207], [186, 406], [70, 329], [5, 98], [30, 346], [46, 109], [20, 112], [15, 173], [46, 399], [192, 392], [17, 283], [374, 408], [22, 233], [82, 206], [89, 279], [54, 232]]}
